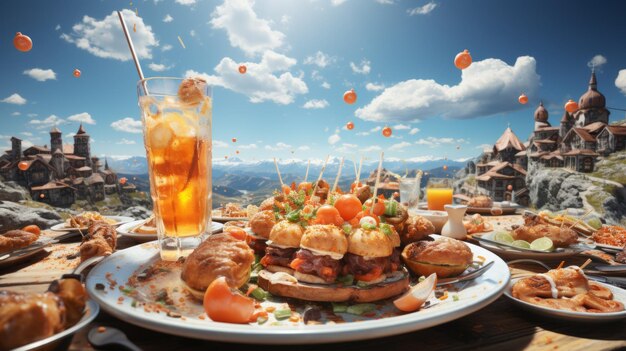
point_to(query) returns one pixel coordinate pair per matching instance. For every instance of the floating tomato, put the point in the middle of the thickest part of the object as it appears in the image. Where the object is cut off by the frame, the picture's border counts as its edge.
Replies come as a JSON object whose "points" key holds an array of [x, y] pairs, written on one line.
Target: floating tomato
{"points": [[463, 60], [22, 42], [349, 97], [523, 99], [509, 187], [237, 152], [226, 157], [123, 180], [445, 168], [22, 165], [243, 69], [77, 73], [234, 140], [349, 126], [571, 106], [42, 195], [387, 132]]}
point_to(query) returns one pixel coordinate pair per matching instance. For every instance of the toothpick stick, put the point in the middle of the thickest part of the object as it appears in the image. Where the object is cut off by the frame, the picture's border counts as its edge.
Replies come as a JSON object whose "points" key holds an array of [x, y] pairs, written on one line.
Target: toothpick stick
{"points": [[278, 171], [581, 218], [355, 170], [306, 175], [380, 166], [358, 174], [338, 175], [585, 264], [320, 176], [560, 265]]}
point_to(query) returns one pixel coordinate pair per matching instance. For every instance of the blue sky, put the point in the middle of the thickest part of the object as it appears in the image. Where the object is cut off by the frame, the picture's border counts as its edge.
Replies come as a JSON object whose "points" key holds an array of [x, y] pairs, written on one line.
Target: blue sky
{"points": [[397, 55]]}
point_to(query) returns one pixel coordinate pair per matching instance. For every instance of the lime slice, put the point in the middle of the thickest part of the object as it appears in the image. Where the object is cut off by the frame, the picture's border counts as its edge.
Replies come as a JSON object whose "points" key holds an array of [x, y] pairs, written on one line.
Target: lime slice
{"points": [[542, 244], [523, 244], [503, 237], [595, 223]]}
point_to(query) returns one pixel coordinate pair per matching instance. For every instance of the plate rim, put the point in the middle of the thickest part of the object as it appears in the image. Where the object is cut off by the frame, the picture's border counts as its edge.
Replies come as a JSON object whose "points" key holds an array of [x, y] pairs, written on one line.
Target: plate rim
{"points": [[59, 227], [522, 254], [151, 237]]}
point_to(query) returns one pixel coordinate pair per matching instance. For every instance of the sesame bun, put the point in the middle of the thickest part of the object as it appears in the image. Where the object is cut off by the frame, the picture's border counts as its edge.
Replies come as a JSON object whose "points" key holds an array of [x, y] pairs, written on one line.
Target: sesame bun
{"points": [[394, 237], [445, 256], [324, 238], [262, 222], [369, 243], [286, 234]]}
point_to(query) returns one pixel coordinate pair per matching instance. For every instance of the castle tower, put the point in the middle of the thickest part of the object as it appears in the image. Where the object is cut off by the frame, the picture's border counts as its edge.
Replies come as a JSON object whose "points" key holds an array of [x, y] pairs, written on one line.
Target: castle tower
{"points": [[16, 149], [106, 164], [81, 145], [56, 141], [57, 163], [541, 117], [567, 122], [591, 105]]}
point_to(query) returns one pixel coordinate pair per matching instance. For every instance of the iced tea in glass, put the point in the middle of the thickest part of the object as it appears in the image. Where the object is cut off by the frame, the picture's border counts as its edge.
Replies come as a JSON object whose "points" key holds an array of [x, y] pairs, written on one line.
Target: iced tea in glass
{"points": [[177, 117]]}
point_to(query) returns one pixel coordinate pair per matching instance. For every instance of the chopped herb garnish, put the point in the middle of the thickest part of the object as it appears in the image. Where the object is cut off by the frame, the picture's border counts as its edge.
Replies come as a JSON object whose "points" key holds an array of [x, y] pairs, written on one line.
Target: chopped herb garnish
{"points": [[282, 314], [133, 303], [368, 226], [347, 229], [259, 294], [346, 279], [386, 229], [127, 290], [361, 308], [339, 307], [455, 297], [293, 216], [261, 320], [421, 279]]}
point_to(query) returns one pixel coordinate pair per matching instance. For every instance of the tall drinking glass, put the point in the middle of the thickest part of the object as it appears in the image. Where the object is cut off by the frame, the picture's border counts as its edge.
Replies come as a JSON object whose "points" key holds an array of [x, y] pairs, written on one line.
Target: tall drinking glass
{"points": [[438, 193], [409, 192], [177, 118]]}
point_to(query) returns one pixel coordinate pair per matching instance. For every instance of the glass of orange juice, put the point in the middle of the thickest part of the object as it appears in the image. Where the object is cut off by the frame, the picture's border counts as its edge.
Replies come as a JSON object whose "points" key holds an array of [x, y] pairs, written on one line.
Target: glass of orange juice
{"points": [[438, 193], [177, 118]]}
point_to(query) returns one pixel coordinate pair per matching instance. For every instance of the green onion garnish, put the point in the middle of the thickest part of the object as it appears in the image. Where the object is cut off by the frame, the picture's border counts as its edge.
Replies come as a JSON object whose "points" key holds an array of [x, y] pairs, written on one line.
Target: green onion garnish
{"points": [[361, 308], [282, 314]]}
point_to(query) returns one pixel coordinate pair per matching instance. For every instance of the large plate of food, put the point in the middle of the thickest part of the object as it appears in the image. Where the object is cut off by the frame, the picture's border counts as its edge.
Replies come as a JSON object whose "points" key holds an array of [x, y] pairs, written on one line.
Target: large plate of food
{"points": [[21, 244], [309, 272], [233, 212], [82, 221], [566, 293], [144, 230], [610, 237], [485, 205]]}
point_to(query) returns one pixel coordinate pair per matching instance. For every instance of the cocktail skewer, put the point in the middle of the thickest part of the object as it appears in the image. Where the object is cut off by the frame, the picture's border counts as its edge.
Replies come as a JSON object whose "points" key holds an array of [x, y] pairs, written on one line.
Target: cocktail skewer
{"points": [[280, 178], [374, 197], [306, 175], [338, 176], [320, 176]]}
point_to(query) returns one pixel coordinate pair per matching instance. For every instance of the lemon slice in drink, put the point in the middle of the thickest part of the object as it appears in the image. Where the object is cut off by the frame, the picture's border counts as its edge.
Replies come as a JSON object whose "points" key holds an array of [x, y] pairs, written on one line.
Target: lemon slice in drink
{"points": [[503, 237], [522, 244], [542, 244]]}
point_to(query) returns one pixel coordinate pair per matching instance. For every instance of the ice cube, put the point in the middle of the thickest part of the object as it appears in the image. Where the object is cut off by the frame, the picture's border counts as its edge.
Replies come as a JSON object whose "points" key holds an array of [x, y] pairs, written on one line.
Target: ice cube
{"points": [[160, 136], [191, 91]]}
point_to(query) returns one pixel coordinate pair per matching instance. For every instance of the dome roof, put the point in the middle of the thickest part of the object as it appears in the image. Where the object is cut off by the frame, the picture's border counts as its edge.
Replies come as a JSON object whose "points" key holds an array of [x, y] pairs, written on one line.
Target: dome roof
{"points": [[541, 114], [592, 98], [566, 117]]}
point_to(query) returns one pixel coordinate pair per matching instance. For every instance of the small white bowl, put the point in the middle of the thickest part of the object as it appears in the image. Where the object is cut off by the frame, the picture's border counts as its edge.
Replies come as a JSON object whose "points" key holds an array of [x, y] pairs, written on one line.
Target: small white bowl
{"points": [[437, 218]]}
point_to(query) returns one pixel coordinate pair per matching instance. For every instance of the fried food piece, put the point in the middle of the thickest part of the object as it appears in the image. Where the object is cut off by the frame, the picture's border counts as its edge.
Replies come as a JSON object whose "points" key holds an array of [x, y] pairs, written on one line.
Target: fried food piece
{"points": [[262, 223], [16, 239], [363, 192], [101, 240], [416, 228], [399, 220], [610, 235], [621, 256], [477, 224], [481, 201], [219, 255], [560, 236]]}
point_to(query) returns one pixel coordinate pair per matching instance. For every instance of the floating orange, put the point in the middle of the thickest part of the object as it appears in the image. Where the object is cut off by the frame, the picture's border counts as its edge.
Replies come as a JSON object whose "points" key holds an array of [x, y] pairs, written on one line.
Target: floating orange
{"points": [[445, 168], [523, 99], [22, 165], [463, 60], [123, 180], [77, 73], [226, 157], [349, 126], [387, 132], [234, 140], [42, 195], [237, 152], [243, 69], [22, 42], [349, 97], [571, 106], [509, 187]]}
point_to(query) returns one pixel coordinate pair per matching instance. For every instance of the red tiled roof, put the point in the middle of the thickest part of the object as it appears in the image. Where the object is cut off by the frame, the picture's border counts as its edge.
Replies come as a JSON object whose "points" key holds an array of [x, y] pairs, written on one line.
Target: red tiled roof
{"points": [[509, 139], [617, 130], [584, 135], [50, 185], [594, 127], [584, 152]]}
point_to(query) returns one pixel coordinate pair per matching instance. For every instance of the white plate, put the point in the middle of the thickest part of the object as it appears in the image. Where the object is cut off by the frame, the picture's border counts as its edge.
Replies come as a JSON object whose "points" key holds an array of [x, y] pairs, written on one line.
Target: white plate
{"points": [[618, 295], [474, 296], [515, 254], [42, 242], [125, 230], [609, 247], [119, 220]]}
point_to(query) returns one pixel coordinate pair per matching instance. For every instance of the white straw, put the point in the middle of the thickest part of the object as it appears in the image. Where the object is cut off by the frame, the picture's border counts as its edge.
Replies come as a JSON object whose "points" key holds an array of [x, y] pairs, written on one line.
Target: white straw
{"points": [[320, 177], [278, 171], [338, 175], [306, 175], [380, 166], [129, 40]]}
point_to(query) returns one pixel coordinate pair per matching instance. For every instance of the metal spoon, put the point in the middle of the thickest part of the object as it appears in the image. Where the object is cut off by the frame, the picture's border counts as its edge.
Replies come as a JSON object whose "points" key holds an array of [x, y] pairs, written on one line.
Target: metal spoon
{"points": [[110, 337], [473, 275]]}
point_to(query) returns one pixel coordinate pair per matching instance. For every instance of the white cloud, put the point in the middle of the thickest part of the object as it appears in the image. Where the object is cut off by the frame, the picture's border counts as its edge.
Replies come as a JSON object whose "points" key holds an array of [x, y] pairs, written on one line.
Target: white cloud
{"points": [[400, 146], [82, 118], [337, 2], [363, 68], [168, 18], [346, 148], [58, 27], [385, 2], [401, 127], [278, 147], [29, 134], [315, 104], [435, 142], [15, 113], [248, 146], [158, 67], [220, 144], [484, 146], [125, 141], [32, 115], [487, 87], [52, 120], [186, 2], [284, 19], [372, 148], [128, 125], [304, 148], [192, 33], [414, 131], [264, 81], [597, 61], [320, 59], [334, 139], [422, 10], [15, 99], [244, 28], [374, 87], [166, 47], [620, 81], [41, 75], [104, 38], [325, 85]]}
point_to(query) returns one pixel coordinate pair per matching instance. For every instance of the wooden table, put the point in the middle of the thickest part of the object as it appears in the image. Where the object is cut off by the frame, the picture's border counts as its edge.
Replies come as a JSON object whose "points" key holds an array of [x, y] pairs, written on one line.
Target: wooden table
{"points": [[499, 326]]}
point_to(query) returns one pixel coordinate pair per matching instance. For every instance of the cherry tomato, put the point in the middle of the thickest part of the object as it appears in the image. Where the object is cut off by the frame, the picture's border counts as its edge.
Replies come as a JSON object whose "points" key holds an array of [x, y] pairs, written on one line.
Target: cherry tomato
{"points": [[348, 206], [379, 207], [42, 195], [327, 214], [286, 189], [76, 73], [306, 186], [223, 304], [234, 140], [32, 229], [571, 106], [387, 132], [355, 185], [22, 42], [463, 60], [22, 165], [243, 69], [523, 99], [349, 126], [356, 221], [349, 97], [236, 232]]}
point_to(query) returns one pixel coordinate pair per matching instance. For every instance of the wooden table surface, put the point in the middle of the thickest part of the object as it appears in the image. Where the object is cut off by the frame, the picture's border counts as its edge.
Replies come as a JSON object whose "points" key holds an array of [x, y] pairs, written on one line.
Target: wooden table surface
{"points": [[499, 326]]}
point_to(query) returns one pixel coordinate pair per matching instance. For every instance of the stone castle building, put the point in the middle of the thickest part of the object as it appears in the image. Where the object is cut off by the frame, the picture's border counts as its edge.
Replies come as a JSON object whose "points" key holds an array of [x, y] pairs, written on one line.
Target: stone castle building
{"points": [[580, 138], [59, 174]]}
